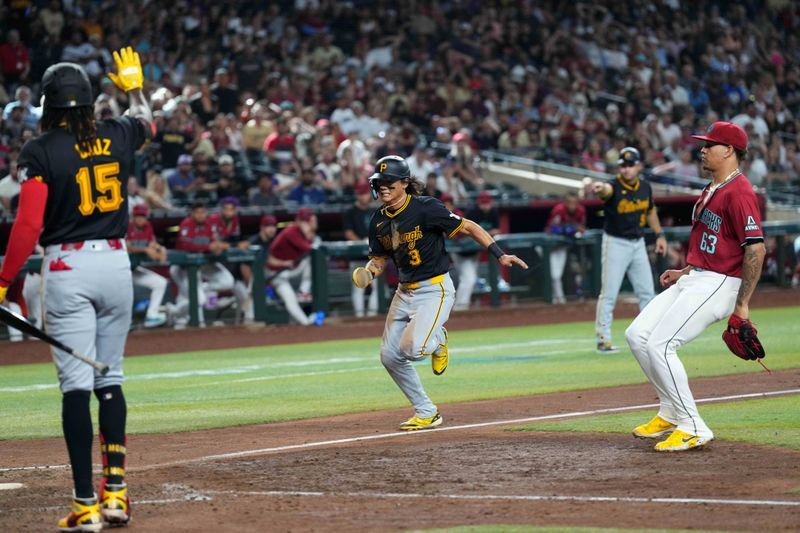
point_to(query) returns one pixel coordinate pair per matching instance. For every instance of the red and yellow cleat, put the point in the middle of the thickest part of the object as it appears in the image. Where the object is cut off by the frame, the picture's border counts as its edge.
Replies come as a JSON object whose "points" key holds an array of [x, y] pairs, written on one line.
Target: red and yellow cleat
{"points": [[84, 516], [115, 504]]}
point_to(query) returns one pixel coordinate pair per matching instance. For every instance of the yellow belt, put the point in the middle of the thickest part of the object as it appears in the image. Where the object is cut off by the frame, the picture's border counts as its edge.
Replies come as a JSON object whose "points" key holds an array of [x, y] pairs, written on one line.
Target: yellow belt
{"points": [[423, 283]]}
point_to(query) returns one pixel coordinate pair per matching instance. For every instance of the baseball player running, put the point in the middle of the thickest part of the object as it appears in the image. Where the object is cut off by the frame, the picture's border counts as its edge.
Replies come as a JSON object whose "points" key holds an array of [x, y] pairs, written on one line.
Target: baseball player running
{"points": [[72, 176], [628, 206], [726, 251], [411, 229]]}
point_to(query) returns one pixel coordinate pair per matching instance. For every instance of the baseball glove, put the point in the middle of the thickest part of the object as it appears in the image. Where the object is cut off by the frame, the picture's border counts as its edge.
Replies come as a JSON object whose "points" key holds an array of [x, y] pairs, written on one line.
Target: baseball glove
{"points": [[741, 336], [129, 70], [362, 277]]}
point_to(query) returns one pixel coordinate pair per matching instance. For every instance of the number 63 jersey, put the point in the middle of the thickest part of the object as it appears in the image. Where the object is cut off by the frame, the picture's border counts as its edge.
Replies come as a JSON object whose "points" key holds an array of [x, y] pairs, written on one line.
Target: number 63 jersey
{"points": [[414, 237], [724, 221], [86, 189]]}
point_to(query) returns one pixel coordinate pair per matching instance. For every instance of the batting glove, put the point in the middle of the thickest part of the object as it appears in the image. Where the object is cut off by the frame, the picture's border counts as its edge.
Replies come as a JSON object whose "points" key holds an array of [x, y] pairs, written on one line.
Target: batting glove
{"points": [[129, 70]]}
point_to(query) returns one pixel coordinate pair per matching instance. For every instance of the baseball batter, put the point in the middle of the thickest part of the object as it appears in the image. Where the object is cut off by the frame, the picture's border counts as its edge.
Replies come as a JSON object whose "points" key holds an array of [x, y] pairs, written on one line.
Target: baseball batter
{"points": [[726, 251], [628, 206], [411, 229], [72, 176]]}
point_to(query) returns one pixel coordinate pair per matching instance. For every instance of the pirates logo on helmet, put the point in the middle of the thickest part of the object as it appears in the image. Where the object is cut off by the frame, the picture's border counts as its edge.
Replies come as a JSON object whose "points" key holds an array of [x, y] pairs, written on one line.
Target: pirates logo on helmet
{"points": [[389, 168], [66, 85]]}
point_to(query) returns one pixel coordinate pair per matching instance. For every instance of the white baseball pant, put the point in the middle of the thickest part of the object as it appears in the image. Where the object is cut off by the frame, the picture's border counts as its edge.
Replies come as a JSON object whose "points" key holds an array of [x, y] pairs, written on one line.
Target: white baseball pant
{"points": [[157, 285], [670, 320]]}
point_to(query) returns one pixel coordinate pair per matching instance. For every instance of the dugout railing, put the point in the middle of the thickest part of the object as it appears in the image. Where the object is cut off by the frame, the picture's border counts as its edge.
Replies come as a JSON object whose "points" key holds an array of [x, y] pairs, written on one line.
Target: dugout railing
{"points": [[331, 262]]}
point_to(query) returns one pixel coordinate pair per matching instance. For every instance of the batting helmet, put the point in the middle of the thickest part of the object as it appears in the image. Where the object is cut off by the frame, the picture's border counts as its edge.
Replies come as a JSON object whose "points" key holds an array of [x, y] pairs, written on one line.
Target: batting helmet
{"points": [[391, 167], [629, 155], [66, 85]]}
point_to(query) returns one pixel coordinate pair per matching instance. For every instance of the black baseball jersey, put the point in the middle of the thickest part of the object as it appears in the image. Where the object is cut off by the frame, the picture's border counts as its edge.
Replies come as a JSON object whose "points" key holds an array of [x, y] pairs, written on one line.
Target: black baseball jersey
{"points": [[627, 209], [357, 220], [413, 236], [86, 189]]}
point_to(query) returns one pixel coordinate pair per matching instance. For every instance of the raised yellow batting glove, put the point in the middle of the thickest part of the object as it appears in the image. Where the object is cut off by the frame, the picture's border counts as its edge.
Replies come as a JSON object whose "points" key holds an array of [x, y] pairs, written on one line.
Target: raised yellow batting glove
{"points": [[129, 70], [362, 277], [3, 291]]}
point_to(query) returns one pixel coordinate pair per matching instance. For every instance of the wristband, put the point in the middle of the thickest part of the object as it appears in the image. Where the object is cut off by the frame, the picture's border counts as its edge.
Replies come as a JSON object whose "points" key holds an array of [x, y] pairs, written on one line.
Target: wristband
{"points": [[496, 250], [660, 234]]}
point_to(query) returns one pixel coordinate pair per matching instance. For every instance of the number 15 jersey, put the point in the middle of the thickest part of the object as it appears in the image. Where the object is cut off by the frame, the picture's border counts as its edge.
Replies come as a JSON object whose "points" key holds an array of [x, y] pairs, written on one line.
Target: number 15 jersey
{"points": [[724, 221], [86, 189], [414, 237]]}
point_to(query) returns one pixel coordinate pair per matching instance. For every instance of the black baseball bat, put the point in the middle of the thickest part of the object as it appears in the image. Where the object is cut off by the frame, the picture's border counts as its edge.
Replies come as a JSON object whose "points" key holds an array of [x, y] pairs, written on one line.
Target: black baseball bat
{"points": [[13, 320]]}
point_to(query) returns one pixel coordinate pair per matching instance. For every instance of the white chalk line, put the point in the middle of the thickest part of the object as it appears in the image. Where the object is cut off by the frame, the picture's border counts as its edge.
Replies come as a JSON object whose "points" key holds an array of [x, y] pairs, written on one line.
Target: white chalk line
{"points": [[399, 434], [246, 369]]}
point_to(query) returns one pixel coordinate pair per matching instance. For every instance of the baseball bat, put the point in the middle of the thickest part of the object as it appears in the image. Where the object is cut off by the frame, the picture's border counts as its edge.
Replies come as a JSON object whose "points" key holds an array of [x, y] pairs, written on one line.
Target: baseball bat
{"points": [[19, 322]]}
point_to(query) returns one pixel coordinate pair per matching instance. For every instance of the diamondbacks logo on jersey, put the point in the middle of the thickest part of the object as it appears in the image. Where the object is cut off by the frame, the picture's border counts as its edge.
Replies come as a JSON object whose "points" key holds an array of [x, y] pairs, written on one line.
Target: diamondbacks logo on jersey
{"points": [[751, 224], [711, 219]]}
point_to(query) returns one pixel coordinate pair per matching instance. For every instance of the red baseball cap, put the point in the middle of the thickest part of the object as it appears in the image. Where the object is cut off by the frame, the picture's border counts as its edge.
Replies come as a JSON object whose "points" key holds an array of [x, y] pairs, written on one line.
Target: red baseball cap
{"points": [[269, 220], [485, 197], [725, 133], [140, 210], [305, 214], [446, 197]]}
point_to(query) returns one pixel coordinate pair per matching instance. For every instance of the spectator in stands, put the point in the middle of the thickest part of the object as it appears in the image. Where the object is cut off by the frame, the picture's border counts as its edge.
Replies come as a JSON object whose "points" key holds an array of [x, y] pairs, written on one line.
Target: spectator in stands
{"points": [[308, 191], [158, 195], [141, 240], [30, 113], [279, 145], [173, 140], [228, 182], [328, 168], [183, 180], [420, 164], [484, 214], [135, 195], [356, 229], [197, 234], [9, 187], [255, 132], [264, 194], [15, 63], [203, 103], [225, 91], [567, 219], [290, 259]]}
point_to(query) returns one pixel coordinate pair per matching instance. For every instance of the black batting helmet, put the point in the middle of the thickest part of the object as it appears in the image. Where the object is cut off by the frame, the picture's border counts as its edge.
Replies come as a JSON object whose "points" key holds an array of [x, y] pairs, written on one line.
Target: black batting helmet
{"points": [[66, 85], [389, 168]]}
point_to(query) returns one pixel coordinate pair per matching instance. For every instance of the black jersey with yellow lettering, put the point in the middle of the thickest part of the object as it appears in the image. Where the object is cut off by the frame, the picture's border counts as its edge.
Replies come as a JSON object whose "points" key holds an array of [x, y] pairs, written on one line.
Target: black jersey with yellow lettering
{"points": [[86, 190], [627, 209], [413, 236]]}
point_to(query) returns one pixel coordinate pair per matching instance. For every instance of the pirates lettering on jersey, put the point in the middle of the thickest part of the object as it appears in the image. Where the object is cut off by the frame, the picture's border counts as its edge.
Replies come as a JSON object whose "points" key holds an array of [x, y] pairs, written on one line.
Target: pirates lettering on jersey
{"points": [[413, 236], [86, 194], [712, 220], [627, 208]]}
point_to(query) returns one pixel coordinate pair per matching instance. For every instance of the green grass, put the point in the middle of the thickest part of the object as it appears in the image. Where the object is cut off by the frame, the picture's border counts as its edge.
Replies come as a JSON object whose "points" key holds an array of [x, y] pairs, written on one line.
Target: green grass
{"points": [[182, 392], [763, 421], [503, 528]]}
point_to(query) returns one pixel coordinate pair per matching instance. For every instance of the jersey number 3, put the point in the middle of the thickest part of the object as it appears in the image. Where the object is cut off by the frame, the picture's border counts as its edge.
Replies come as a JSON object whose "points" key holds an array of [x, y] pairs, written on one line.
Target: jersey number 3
{"points": [[106, 184], [708, 243], [416, 260]]}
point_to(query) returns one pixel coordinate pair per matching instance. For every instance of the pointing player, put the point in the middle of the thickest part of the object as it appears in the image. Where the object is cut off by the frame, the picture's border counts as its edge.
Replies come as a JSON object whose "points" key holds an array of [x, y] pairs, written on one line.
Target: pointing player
{"points": [[726, 251], [72, 190], [628, 206], [411, 230]]}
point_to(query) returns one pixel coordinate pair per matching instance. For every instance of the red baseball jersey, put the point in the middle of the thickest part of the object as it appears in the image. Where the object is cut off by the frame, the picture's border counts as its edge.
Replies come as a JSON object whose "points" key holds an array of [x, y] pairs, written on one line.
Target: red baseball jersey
{"points": [[290, 244], [140, 237], [724, 221], [194, 237], [226, 230]]}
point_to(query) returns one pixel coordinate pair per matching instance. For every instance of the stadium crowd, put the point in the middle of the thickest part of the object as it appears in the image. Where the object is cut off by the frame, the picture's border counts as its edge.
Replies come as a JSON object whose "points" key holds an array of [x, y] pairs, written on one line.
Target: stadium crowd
{"points": [[290, 104]]}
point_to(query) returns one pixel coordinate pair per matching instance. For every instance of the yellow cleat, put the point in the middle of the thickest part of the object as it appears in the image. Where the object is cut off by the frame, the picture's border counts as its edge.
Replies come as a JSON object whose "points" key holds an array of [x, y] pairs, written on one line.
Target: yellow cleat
{"points": [[115, 504], [84, 516], [439, 360], [680, 441], [414, 423], [655, 428]]}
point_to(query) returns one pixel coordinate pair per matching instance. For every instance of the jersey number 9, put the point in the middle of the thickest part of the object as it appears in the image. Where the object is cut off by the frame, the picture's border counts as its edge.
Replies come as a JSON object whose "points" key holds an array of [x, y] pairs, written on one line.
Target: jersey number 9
{"points": [[106, 185]]}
